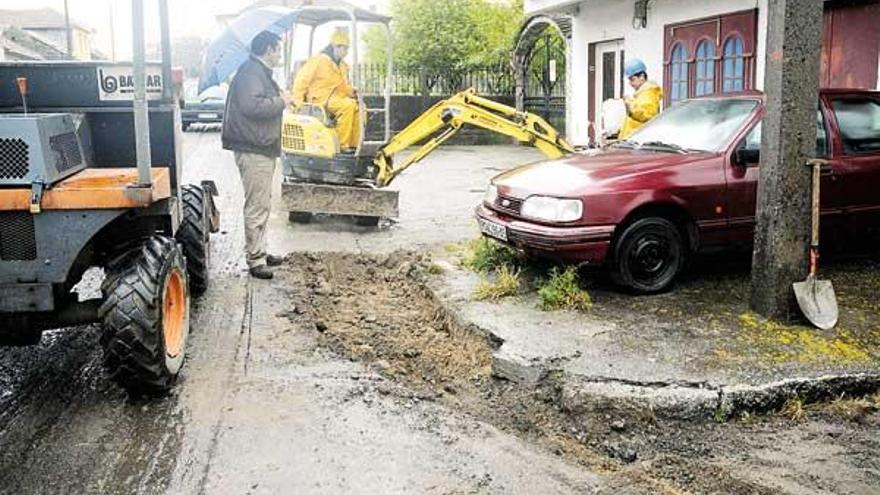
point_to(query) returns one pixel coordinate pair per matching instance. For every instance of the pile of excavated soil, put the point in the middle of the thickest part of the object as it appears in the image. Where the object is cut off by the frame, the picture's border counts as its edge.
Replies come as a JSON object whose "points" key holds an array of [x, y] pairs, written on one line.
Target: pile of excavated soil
{"points": [[377, 309], [373, 309]]}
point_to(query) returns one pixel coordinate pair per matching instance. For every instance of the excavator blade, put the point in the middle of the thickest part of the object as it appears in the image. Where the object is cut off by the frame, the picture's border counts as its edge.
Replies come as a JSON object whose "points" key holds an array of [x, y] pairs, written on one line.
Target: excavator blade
{"points": [[340, 200]]}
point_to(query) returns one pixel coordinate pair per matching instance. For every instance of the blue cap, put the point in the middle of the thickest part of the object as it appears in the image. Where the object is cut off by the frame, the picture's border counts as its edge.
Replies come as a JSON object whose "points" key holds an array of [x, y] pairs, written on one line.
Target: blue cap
{"points": [[633, 67]]}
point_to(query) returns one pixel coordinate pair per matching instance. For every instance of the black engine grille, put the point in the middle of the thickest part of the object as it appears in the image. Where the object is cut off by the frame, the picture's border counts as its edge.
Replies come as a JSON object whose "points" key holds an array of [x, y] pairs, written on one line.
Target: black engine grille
{"points": [[13, 158], [506, 204], [18, 241], [66, 148]]}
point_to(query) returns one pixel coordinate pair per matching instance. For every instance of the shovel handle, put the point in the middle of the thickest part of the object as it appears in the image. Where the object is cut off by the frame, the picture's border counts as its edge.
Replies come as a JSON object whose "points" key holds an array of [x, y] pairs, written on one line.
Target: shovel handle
{"points": [[816, 165]]}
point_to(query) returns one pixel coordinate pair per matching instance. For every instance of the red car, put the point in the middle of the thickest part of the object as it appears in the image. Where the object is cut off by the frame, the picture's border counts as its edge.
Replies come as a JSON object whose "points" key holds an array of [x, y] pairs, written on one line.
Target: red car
{"points": [[684, 182]]}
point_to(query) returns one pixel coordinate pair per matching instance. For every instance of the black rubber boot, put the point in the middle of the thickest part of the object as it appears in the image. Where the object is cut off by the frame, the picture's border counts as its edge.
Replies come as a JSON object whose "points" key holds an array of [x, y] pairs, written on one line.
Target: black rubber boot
{"points": [[262, 272]]}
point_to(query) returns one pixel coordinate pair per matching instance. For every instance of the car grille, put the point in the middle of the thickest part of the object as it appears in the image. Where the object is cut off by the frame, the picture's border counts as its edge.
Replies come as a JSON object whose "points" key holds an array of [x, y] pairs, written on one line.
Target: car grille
{"points": [[13, 158], [18, 240], [67, 152], [508, 205], [292, 138]]}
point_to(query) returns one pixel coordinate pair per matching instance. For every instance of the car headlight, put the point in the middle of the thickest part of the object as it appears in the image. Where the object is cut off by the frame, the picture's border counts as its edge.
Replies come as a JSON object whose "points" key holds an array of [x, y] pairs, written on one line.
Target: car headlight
{"points": [[552, 209], [491, 194]]}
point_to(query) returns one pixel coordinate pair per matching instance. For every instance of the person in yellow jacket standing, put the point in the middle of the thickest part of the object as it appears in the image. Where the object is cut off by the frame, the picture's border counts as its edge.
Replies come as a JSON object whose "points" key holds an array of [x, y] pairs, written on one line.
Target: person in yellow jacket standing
{"points": [[323, 80], [644, 105]]}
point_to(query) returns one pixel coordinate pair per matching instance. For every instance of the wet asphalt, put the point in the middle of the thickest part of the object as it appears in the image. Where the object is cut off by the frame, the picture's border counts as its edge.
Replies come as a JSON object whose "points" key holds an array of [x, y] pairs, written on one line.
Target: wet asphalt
{"points": [[260, 407]]}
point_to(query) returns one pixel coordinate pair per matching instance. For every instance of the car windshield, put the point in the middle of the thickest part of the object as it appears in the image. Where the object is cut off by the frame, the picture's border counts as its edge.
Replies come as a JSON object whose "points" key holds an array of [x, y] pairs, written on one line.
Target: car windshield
{"points": [[694, 125]]}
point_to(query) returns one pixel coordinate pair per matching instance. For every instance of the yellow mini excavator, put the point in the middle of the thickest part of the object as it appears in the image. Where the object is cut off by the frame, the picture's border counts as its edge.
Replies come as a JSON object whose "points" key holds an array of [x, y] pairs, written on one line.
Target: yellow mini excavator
{"points": [[320, 178]]}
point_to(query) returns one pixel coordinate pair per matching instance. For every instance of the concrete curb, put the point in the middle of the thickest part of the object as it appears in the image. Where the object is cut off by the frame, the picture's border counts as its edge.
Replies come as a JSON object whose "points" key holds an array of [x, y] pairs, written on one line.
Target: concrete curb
{"points": [[665, 399], [678, 400]]}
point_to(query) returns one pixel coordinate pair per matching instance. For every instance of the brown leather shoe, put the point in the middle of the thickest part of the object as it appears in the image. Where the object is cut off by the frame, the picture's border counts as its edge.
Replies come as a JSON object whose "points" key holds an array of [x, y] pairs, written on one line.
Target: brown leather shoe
{"points": [[262, 272], [273, 260]]}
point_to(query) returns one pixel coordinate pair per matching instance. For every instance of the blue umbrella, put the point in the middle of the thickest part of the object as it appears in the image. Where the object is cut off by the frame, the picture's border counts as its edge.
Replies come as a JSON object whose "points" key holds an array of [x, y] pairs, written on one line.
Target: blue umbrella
{"points": [[229, 50]]}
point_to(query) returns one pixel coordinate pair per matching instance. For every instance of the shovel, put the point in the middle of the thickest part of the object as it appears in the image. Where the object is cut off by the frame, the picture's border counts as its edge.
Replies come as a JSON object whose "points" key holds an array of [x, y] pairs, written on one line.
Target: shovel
{"points": [[816, 297]]}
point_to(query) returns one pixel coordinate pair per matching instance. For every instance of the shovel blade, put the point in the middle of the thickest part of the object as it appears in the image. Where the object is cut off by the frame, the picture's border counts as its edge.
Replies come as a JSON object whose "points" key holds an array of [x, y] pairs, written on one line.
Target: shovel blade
{"points": [[817, 301]]}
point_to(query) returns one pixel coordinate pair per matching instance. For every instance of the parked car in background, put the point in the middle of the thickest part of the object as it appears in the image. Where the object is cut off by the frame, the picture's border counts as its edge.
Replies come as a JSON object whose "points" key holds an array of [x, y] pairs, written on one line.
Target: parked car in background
{"points": [[686, 181], [204, 108]]}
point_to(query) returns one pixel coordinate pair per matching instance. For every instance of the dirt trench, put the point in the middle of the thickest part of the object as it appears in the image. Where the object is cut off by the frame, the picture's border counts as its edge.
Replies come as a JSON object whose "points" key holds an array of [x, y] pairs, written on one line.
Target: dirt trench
{"points": [[378, 310]]}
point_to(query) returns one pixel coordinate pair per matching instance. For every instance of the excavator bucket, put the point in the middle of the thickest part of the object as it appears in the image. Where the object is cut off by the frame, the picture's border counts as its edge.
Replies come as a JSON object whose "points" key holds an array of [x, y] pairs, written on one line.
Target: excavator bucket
{"points": [[340, 200]]}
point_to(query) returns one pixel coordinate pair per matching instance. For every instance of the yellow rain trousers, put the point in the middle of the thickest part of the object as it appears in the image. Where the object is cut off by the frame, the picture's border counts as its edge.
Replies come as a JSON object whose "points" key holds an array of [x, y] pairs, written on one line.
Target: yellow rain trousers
{"points": [[322, 82], [644, 105]]}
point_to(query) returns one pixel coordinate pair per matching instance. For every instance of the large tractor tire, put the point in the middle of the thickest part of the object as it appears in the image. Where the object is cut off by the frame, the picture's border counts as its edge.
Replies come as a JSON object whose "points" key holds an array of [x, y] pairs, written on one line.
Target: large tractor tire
{"points": [[146, 316], [195, 236]]}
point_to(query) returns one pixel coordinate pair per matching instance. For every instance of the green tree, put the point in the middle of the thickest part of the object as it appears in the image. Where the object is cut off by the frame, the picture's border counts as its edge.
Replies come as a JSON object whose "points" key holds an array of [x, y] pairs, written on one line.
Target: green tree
{"points": [[448, 36]]}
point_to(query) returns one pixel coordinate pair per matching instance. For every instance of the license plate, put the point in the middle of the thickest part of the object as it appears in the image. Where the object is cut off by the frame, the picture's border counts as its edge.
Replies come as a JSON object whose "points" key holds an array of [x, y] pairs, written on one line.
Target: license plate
{"points": [[493, 229], [207, 115]]}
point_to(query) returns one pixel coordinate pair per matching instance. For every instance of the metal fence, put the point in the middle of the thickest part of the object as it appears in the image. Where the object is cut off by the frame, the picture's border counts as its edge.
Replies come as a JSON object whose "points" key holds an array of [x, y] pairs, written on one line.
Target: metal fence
{"points": [[490, 80]]}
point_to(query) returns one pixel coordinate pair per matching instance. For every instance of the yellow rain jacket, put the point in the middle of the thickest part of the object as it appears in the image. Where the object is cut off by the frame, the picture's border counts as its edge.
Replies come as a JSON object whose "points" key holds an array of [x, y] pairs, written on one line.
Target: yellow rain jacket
{"points": [[643, 106], [321, 81]]}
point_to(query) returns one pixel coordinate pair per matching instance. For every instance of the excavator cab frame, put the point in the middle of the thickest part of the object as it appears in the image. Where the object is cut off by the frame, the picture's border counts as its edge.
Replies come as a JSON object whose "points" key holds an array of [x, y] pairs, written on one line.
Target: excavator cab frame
{"points": [[315, 170]]}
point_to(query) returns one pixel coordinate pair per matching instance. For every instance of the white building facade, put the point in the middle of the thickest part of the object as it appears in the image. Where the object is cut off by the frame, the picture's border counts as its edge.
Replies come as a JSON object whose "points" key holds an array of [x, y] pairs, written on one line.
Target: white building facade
{"points": [[693, 48]]}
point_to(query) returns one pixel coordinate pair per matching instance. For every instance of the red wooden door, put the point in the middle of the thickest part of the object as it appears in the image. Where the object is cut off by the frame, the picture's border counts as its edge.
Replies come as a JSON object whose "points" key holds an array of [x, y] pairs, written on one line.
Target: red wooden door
{"points": [[850, 45]]}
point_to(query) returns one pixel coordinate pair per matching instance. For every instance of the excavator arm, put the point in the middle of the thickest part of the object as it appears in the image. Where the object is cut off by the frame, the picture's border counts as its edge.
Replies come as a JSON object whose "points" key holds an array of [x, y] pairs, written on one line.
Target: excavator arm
{"points": [[443, 120]]}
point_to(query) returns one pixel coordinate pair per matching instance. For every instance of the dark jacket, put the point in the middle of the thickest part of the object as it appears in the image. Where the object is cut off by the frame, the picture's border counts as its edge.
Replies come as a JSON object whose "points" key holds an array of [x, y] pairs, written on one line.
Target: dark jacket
{"points": [[252, 121]]}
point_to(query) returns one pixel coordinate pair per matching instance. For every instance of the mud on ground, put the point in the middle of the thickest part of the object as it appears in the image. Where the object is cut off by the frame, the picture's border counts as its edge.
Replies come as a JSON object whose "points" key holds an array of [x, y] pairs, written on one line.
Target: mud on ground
{"points": [[376, 309], [709, 309]]}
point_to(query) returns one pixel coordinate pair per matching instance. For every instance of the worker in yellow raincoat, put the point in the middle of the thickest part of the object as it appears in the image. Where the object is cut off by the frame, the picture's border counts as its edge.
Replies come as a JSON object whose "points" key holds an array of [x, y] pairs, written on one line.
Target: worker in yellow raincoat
{"points": [[644, 105], [323, 80]]}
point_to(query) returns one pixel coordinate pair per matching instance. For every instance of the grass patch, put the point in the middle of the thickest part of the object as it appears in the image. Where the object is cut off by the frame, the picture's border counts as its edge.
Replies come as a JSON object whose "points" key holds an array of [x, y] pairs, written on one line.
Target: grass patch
{"points": [[434, 269], [506, 283], [560, 290], [781, 343], [484, 255], [794, 409], [852, 409]]}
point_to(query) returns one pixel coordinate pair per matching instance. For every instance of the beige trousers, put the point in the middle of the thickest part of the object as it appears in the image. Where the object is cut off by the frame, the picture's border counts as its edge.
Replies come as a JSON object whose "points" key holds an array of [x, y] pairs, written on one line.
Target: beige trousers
{"points": [[256, 177]]}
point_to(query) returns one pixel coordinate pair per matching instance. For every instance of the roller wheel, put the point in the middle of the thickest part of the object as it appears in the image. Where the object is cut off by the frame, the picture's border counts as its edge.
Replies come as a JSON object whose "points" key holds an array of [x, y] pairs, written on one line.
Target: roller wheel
{"points": [[146, 316]]}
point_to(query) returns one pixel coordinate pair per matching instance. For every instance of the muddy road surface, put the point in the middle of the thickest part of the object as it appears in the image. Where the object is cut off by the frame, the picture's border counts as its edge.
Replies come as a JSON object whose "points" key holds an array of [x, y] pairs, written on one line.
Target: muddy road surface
{"points": [[345, 375], [261, 407]]}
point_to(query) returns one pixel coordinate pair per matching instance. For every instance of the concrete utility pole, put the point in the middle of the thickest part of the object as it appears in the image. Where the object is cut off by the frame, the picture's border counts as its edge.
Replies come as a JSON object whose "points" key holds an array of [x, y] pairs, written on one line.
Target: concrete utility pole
{"points": [[791, 86]]}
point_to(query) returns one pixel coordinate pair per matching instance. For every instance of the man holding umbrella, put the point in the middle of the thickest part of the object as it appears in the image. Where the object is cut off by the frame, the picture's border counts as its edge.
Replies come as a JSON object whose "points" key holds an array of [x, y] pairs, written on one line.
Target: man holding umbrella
{"points": [[252, 130]]}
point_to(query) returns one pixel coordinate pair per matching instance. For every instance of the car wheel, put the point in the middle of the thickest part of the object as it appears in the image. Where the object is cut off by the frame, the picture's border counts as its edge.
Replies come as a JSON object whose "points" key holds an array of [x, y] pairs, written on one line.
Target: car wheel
{"points": [[648, 255]]}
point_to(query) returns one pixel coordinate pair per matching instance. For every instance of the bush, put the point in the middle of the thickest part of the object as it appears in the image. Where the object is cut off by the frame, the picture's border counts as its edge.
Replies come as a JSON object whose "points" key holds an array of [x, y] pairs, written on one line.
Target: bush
{"points": [[506, 284], [486, 255], [561, 291]]}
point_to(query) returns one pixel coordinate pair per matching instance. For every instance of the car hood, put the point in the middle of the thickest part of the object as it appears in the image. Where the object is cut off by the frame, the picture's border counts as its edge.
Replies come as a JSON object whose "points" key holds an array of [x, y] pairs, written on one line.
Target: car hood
{"points": [[595, 169]]}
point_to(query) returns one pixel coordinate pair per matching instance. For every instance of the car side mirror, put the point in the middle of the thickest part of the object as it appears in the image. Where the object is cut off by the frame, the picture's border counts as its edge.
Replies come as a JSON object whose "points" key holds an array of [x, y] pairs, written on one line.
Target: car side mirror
{"points": [[747, 157]]}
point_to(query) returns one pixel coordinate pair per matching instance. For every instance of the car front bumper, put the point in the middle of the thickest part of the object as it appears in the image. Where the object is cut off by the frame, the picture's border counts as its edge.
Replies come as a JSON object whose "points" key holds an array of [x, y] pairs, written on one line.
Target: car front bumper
{"points": [[567, 244], [202, 117]]}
